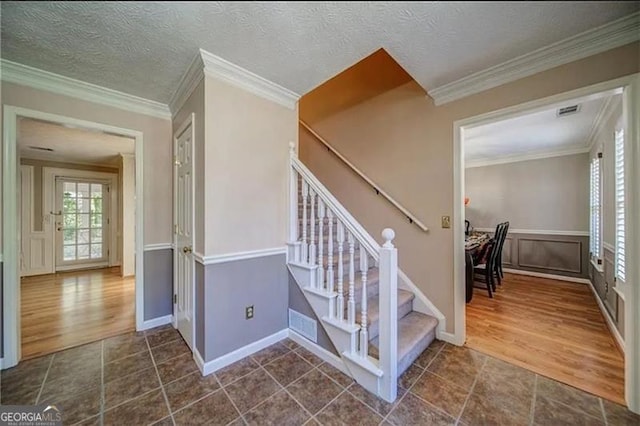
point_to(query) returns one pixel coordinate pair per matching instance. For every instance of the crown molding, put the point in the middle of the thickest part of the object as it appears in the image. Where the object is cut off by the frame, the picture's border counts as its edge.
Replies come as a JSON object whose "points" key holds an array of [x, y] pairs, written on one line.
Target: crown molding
{"points": [[13, 72], [605, 113], [600, 39], [525, 157], [216, 67], [188, 83]]}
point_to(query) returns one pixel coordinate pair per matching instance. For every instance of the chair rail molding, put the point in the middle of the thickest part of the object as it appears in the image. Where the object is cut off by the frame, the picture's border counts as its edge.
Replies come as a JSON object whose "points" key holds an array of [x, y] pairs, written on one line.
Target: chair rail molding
{"points": [[605, 37], [539, 232], [158, 246], [242, 255], [13, 72]]}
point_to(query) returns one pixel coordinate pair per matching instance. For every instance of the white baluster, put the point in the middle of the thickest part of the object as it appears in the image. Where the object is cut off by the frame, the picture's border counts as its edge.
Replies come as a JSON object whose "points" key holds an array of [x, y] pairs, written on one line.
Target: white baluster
{"points": [[364, 335], [330, 278], [312, 241], [305, 245], [351, 303], [321, 212], [340, 299]]}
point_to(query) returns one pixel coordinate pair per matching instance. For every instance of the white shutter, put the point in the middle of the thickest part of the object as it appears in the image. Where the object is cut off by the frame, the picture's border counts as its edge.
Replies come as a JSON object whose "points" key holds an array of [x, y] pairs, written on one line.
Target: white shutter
{"points": [[619, 184], [596, 235]]}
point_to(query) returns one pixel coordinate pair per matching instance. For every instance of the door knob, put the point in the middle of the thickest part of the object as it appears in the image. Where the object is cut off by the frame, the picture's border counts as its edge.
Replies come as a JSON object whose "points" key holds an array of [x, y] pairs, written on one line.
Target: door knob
{"points": [[186, 249]]}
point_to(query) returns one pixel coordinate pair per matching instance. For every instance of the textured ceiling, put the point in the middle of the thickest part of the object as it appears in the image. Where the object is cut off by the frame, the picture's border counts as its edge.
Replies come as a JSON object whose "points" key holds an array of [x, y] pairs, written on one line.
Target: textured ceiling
{"points": [[143, 48], [534, 133], [70, 144]]}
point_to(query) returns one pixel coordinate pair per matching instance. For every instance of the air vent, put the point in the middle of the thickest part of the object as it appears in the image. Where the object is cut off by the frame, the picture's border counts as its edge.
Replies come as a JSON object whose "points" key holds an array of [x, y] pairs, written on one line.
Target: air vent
{"points": [[568, 110], [303, 325], [41, 148]]}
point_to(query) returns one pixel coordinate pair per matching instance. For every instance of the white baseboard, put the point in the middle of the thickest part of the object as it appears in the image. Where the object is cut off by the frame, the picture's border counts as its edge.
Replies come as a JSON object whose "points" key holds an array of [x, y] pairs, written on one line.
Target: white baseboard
{"points": [[207, 368], [1, 363], [550, 276], [156, 322], [610, 324], [449, 338], [319, 351]]}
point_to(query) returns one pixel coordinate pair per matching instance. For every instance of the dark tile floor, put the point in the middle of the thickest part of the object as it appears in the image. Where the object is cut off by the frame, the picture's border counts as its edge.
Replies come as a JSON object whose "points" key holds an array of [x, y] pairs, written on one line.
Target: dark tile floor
{"points": [[150, 378]]}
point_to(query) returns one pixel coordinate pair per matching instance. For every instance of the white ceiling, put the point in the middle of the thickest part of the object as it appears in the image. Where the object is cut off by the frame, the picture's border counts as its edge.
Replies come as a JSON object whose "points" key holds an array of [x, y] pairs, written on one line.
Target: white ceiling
{"points": [[70, 144], [533, 134], [143, 48]]}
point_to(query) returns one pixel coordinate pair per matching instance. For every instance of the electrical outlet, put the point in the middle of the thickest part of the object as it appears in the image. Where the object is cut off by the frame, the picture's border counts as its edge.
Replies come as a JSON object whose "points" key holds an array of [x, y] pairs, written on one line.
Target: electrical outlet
{"points": [[446, 222], [248, 312]]}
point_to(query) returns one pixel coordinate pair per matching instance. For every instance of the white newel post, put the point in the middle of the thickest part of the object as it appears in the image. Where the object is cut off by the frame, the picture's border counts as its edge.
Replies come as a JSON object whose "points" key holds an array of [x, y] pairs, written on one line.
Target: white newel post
{"points": [[294, 244], [388, 316], [340, 298]]}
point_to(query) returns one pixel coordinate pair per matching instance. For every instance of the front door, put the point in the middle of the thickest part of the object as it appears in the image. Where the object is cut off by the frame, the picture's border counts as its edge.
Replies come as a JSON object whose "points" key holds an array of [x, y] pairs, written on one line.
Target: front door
{"points": [[183, 228], [81, 224]]}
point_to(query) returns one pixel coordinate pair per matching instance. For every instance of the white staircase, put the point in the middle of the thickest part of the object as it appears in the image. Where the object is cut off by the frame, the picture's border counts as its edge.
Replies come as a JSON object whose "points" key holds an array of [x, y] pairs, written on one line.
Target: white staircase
{"points": [[351, 282]]}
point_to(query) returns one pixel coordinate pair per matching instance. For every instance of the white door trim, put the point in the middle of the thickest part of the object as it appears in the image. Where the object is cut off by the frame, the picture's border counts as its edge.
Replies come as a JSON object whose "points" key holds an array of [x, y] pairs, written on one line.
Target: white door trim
{"points": [[632, 299], [11, 273], [189, 121]]}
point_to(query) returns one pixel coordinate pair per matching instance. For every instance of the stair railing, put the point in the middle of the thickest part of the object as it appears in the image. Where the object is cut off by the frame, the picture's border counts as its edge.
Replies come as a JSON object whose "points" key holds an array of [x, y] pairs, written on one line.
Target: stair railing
{"points": [[356, 251]]}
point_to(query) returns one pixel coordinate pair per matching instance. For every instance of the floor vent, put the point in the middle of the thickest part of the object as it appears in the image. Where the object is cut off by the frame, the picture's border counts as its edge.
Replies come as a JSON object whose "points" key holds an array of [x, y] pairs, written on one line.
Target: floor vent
{"points": [[303, 325]]}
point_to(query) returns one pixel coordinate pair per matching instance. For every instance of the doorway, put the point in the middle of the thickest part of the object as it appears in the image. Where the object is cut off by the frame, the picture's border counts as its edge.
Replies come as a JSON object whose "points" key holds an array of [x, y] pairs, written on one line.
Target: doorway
{"points": [[79, 211], [629, 86]]}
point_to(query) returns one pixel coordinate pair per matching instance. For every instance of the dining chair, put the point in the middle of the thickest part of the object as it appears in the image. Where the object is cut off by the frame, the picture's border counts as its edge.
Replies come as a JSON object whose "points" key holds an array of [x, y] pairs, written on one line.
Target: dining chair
{"points": [[467, 227], [499, 237], [499, 271], [486, 269]]}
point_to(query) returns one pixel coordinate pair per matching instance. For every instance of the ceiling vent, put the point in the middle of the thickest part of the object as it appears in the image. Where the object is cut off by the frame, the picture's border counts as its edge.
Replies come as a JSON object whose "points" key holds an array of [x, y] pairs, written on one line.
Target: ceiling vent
{"points": [[568, 110], [41, 148]]}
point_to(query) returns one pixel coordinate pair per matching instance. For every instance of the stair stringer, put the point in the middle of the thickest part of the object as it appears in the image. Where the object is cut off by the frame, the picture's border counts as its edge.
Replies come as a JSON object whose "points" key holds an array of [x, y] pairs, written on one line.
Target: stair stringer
{"points": [[365, 371], [421, 302]]}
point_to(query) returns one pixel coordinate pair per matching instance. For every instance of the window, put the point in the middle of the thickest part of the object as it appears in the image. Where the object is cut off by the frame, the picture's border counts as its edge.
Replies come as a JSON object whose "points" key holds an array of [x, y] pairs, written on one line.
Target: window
{"points": [[596, 208], [619, 194]]}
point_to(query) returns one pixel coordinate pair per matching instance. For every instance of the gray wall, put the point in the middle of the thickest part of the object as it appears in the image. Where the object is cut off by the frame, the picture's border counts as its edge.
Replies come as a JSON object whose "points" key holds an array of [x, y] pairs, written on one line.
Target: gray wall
{"points": [[199, 308], [550, 254], [1, 312], [230, 287], [298, 302], [158, 283], [545, 194], [603, 282]]}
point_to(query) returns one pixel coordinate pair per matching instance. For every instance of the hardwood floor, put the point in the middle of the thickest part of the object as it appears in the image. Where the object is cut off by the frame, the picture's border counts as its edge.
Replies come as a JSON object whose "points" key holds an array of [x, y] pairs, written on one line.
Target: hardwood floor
{"points": [[68, 309], [551, 327]]}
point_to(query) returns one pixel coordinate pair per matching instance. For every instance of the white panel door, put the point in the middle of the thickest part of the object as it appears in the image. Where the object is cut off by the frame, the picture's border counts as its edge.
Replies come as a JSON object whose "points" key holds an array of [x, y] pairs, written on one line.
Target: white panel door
{"points": [[82, 223], [36, 254], [183, 228]]}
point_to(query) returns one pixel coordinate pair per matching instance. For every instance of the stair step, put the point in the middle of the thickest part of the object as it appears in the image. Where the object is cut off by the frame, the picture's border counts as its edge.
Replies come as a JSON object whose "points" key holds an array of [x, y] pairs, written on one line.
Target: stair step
{"points": [[416, 331], [405, 305]]}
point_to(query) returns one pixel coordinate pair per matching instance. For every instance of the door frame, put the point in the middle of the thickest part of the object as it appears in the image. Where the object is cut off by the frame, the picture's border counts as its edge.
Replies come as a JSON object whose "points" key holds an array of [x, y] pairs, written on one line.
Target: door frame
{"points": [[631, 101], [10, 242], [50, 176], [189, 121]]}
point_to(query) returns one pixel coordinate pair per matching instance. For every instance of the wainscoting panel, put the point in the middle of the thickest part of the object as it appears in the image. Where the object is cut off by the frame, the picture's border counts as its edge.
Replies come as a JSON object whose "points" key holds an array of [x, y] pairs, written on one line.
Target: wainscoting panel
{"points": [[553, 255], [550, 254]]}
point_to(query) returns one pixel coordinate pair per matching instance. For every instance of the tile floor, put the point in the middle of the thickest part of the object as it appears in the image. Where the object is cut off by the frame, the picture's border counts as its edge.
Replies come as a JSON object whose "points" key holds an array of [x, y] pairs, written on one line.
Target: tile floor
{"points": [[150, 378]]}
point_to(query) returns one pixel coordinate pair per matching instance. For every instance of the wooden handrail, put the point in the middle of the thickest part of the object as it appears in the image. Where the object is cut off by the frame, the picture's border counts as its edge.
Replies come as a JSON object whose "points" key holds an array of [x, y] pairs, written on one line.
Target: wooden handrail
{"points": [[407, 213]]}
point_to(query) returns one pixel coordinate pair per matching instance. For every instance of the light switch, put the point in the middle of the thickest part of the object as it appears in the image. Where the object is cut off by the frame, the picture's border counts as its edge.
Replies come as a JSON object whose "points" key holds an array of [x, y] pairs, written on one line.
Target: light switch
{"points": [[446, 221]]}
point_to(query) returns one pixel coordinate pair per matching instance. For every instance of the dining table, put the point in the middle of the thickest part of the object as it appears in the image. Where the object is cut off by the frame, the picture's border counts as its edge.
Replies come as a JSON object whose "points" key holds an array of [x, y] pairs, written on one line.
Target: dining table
{"points": [[474, 244]]}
